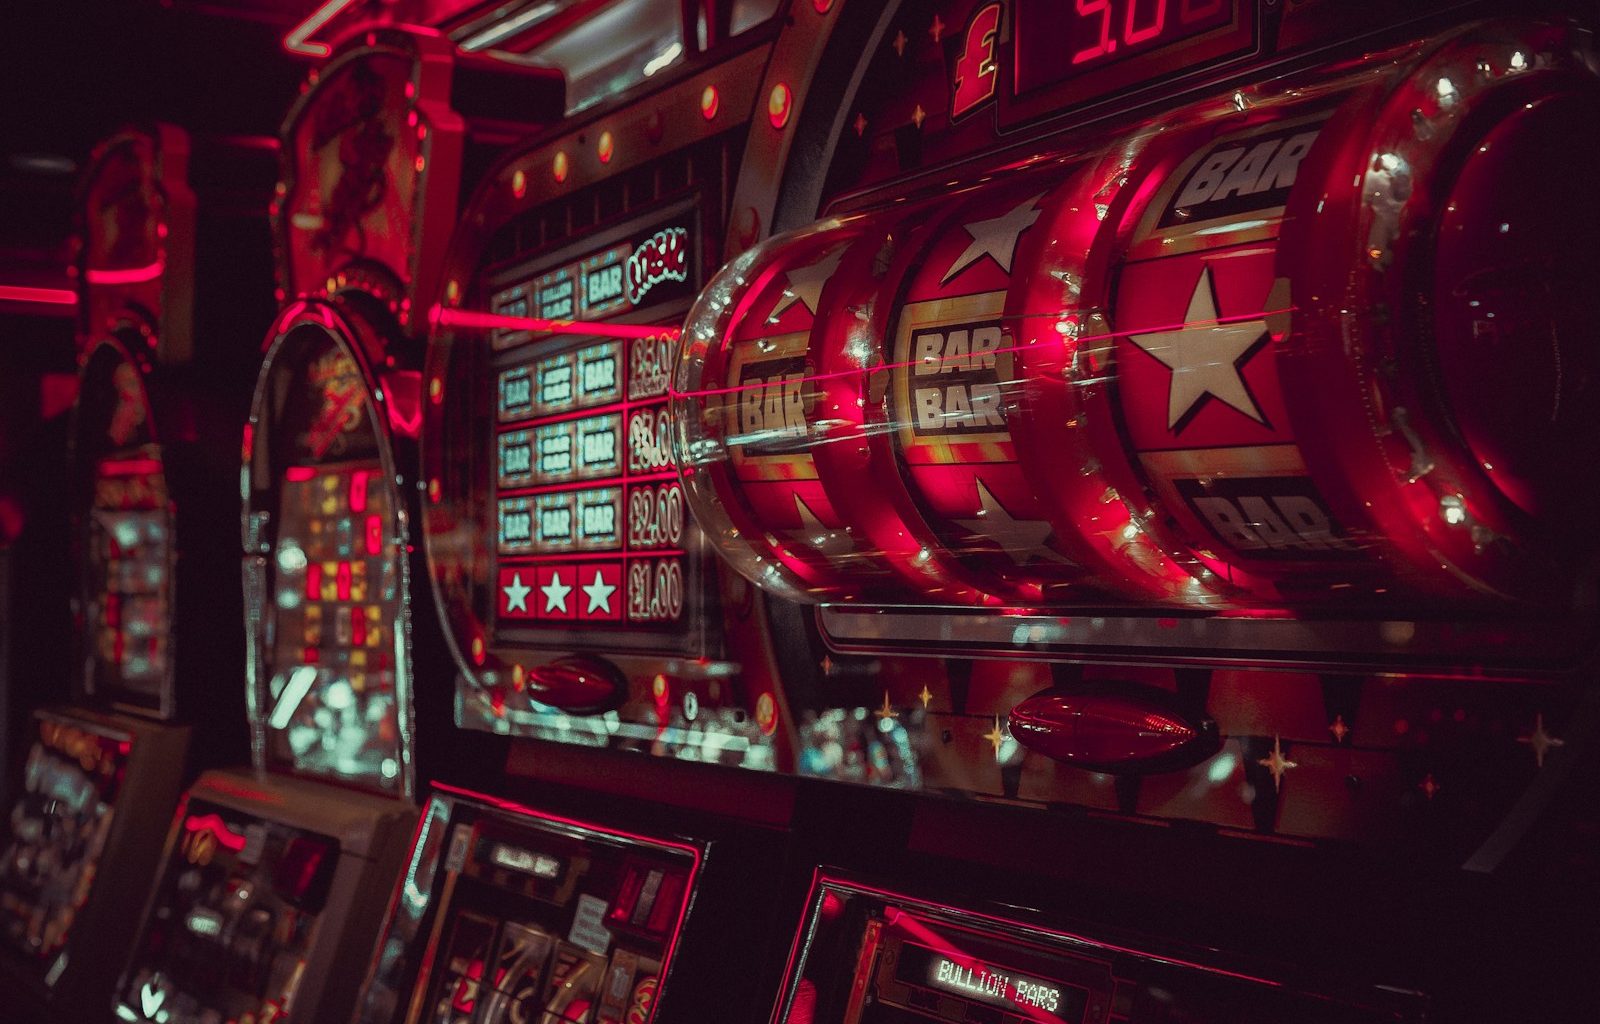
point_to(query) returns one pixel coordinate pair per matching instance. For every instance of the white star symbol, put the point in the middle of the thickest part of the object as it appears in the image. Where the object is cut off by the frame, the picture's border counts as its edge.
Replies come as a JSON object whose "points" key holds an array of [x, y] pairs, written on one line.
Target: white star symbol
{"points": [[805, 284], [996, 237], [1205, 357], [1021, 539], [555, 593], [599, 593], [517, 594], [825, 540]]}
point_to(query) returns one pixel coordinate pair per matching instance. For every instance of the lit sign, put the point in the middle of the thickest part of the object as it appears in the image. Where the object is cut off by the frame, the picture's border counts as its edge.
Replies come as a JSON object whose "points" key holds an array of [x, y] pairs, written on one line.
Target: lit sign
{"points": [[664, 256], [515, 858], [1058, 41], [988, 983]]}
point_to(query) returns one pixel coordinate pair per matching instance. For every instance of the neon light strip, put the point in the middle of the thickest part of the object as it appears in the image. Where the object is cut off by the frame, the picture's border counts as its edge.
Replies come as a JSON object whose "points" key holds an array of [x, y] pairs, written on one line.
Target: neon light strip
{"points": [[910, 364], [133, 275], [216, 826], [297, 40], [44, 296], [471, 320]]}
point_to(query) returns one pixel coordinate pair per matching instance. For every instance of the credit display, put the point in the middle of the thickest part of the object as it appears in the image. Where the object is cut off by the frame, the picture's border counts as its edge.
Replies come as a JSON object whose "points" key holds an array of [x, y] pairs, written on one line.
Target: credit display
{"points": [[234, 917], [1092, 34], [59, 828], [528, 918]]}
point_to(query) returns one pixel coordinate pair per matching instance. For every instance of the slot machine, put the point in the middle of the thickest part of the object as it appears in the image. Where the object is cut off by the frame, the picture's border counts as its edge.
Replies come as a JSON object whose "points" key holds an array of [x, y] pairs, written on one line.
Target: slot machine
{"points": [[1158, 427], [274, 874], [106, 766], [596, 637]]}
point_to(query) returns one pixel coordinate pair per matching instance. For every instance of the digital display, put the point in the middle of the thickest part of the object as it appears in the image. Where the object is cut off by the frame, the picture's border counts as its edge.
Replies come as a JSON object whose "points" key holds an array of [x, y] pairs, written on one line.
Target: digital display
{"points": [[59, 828], [234, 917], [130, 559], [1063, 40], [334, 706], [1042, 1000], [590, 518]]}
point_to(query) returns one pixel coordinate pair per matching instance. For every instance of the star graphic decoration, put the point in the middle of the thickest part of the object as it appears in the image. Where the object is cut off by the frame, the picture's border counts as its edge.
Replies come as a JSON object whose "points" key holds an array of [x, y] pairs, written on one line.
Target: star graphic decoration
{"points": [[1022, 540], [827, 541], [805, 284], [1429, 788], [1339, 729], [860, 124], [995, 237], [925, 696], [517, 594], [918, 116], [887, 713], [1277, 764], [1540, 740], [599, 594], [900, 41], [936, 30], [996, 736], [1205, 358], [555, 593]]}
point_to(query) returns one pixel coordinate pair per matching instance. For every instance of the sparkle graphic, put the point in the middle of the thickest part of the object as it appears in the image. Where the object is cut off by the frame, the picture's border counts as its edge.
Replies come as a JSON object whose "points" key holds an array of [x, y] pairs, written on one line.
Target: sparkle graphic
{"points": [[517, 594], [1540, 740], [1021, 539], [936, 30], [918, 115], [1339, 729], [900, 41], [555, 593], [887, 712], [1205, 358], [1277, 764], [925, 696], [996, 237], [599, 594], [996, 736], [860, 124], [805, 284], [1429, 787]]}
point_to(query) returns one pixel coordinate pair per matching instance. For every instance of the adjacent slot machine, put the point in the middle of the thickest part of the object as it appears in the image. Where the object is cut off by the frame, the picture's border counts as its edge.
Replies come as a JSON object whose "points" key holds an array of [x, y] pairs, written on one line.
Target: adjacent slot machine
{"points": [[275, 874], [1159, 423], [592, 628], [110, 762]]}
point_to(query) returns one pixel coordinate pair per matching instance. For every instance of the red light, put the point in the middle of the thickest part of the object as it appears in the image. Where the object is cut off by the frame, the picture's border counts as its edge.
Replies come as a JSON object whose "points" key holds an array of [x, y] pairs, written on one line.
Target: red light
{"points": [[342, 581], [710, 101], [132, 275], [606, 147], [560, 167], [299, 474], [374, 535], [358, 490], [778, 105], [44, 296], [519, 184], [463, 318], [358, 626], [314, 582], [217, 827]]}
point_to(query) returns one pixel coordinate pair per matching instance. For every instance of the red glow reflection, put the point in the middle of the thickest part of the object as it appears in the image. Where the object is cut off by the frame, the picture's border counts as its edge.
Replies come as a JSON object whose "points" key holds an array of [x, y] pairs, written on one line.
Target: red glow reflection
{"points": [[217, 827], [472, 320], [132, 275]]}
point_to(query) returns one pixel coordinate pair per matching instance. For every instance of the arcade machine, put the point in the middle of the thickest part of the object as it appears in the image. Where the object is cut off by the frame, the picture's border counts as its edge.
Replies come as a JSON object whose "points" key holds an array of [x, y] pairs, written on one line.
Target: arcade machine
{"points": [[274, 876], [1164, 421], [106, 770], [588, 620]]}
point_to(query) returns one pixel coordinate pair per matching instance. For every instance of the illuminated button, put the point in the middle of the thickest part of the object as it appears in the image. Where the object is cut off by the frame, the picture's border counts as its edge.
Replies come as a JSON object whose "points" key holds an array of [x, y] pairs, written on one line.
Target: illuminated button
{"points": [[778, 105], [560, 167], [767, 713], [452, 291], [519, 184], [606, 147], [710, 101]]}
